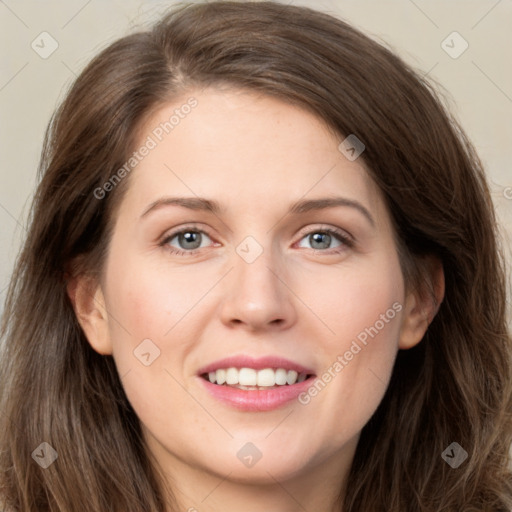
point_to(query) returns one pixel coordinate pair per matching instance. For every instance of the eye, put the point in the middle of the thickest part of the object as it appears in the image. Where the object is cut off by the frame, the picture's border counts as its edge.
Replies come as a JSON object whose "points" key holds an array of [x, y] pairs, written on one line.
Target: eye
{"points": [[321, 239], [189, 239]]}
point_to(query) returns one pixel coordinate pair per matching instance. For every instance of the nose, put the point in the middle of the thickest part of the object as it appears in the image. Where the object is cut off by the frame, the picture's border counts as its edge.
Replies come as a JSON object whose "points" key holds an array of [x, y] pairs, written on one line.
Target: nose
{"points": [[257, 296]]}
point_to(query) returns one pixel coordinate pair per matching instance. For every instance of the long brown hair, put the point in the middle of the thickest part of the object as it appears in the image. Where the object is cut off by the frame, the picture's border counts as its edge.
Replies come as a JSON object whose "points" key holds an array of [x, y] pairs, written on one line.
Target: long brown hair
{"points": [[455, 386]]}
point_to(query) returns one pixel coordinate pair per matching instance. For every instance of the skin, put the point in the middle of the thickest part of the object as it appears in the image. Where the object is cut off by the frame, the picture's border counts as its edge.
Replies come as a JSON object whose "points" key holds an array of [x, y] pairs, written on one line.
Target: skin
{"points": [[255, 155]]}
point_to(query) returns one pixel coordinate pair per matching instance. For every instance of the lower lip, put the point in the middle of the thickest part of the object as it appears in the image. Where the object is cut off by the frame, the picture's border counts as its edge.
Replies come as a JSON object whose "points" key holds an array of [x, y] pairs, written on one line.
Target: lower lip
{"points": [[257, 399]]}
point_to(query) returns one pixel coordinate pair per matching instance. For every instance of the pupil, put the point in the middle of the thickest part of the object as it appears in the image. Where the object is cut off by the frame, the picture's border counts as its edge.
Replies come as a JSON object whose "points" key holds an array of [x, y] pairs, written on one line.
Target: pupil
{"points": [[317, 238], [190, 237]]}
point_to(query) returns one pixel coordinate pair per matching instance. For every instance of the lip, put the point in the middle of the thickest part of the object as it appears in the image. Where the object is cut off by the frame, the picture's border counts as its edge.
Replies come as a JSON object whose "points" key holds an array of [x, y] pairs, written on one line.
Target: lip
{"points": [[258, 399], [245, 361]]}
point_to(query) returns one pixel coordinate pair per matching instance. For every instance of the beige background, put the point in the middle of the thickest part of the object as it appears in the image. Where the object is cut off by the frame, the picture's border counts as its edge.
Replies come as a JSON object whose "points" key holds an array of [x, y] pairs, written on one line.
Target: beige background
{"points": [[478, 84]]}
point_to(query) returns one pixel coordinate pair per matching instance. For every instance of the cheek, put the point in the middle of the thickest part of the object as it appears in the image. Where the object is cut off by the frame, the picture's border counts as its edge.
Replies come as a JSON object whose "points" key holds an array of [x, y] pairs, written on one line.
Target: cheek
{"points": [[142, 309], [355, 299], [147, 300], [363, 312], [145, 305]]}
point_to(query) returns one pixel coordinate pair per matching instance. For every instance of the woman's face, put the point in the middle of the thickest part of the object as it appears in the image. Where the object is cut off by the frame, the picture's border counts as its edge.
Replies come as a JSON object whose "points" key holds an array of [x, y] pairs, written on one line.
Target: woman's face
{"points": [[265, 272]]}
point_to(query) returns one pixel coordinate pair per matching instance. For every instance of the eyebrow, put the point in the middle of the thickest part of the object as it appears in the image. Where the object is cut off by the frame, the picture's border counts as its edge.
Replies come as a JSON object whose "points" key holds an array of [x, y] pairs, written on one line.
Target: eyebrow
{"points": [[300, 207]]}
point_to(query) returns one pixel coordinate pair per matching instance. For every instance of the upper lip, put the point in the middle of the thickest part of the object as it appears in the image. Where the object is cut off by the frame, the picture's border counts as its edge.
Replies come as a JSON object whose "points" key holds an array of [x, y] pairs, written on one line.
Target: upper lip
{"points": [[246, 361]]}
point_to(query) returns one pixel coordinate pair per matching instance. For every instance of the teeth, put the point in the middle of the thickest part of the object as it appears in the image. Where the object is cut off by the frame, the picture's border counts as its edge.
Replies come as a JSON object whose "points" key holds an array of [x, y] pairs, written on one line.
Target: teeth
{"points": [[231, 376], [291, 377], [220, 376], [266, 377], [281, 377], [247, 378]]}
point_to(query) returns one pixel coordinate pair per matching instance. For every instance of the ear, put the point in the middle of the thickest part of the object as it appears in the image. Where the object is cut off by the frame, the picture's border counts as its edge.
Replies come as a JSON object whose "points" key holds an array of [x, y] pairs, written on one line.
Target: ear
{"points": [[422, 305], [88, 302]]}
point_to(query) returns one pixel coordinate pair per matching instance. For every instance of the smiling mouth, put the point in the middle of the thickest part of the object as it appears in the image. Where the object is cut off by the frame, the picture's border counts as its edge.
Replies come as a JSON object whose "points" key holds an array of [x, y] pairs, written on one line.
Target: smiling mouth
{"points": [[250, 379]]}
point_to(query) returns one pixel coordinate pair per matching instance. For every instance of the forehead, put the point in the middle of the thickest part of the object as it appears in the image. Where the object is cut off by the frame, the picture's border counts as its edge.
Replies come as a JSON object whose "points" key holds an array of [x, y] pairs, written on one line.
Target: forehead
{"points": [[244, 149]]}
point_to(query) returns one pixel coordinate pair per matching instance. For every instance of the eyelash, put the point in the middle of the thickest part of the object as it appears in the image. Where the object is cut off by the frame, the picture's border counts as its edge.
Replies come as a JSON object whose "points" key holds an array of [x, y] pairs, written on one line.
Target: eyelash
{"points": [[340, 235]]}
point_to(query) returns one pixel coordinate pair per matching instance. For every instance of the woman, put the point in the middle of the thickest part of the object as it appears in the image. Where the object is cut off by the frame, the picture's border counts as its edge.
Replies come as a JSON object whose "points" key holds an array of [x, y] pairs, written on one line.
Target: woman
{"points": [[334, 338]]}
